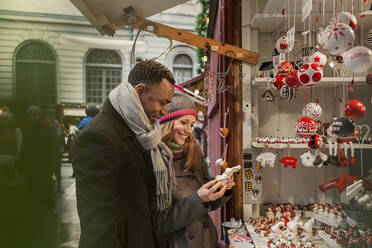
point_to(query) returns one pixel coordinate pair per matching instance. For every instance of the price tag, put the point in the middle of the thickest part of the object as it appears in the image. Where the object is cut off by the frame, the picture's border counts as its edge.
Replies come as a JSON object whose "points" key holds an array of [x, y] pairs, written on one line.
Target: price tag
{"points": [[239, 55], [214, 48], [307, 6]]}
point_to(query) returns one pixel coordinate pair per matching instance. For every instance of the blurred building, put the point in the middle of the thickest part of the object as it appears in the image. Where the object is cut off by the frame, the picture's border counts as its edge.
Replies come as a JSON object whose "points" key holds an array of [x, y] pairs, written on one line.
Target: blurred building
{"points": [[50, 53]]}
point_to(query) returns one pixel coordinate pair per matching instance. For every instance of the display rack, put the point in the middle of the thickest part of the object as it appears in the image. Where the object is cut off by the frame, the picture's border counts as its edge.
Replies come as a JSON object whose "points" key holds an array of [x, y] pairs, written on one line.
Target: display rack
{"points": [[330, 242], [324, 219], [325, 82], [302, 146]]}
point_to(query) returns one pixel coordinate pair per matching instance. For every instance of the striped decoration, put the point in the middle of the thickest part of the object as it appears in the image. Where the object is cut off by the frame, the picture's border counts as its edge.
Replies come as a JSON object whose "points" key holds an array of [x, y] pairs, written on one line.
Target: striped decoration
{"points": [[367, 38]]}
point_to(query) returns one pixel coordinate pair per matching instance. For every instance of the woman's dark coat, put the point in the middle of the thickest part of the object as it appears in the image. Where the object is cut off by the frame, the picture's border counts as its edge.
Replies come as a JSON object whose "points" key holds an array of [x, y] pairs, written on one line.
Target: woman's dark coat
{"points": [[187, 223]]}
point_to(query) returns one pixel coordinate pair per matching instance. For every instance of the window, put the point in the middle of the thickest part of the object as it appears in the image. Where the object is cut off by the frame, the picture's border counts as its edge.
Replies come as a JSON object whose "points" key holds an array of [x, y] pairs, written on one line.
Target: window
{"points": [[182, 68], [103, 73], [36, 75]]}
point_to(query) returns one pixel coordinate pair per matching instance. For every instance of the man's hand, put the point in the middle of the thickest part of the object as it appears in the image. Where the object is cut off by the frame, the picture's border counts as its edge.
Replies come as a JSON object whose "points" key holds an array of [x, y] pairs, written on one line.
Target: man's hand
{"points": [[211, 191]]}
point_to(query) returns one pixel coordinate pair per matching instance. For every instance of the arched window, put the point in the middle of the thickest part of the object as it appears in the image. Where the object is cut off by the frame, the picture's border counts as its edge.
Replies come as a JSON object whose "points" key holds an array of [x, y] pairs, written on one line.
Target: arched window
{"points": [[36, 75], [182, 68], [103, 73]]}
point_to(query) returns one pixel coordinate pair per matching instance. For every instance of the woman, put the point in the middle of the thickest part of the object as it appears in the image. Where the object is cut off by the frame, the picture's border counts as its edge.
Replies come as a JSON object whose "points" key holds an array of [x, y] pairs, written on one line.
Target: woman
{"points": [[187, 223]]}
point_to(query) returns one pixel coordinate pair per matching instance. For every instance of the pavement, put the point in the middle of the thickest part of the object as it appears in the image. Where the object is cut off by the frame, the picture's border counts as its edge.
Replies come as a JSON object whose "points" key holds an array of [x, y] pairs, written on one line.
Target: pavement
{"points": [[69, 225]]}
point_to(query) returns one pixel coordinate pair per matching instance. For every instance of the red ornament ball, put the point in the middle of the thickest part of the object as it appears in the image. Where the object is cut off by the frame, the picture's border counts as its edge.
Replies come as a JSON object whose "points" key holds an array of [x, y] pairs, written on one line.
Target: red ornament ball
{"points": [[285, 68], [306, 126], [278, 82], [354, 109], [292, 80], [310, 74]]}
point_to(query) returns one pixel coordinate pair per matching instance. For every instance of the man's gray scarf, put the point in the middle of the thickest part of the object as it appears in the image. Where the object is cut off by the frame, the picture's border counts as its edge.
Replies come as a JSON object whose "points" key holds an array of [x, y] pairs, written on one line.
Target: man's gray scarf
{"points": [[126, 102]]}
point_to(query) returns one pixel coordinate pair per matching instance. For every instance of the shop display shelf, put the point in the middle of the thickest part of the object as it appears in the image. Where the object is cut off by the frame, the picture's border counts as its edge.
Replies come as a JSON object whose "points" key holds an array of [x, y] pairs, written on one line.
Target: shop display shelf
{"points": [[325, 82], [323, 219], [258, 241], [330, 242], [302, 146]]}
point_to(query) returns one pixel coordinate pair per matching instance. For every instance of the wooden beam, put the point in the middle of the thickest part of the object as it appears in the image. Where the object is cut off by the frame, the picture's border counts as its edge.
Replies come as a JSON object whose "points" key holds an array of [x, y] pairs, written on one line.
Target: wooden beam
{"points": [[196, 40]]}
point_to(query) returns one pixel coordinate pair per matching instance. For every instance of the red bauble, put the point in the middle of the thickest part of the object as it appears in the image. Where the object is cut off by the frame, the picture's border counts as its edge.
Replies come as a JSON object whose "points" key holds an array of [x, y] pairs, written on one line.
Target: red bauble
{"points": [[310, 74], [285, 68], [306, 126], [278, 83], [292, 80], [354, 109]]}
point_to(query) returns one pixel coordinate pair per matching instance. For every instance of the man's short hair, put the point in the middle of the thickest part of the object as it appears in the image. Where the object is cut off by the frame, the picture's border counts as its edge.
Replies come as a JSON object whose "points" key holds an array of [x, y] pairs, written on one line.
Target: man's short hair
{"points": [[149, 72]]}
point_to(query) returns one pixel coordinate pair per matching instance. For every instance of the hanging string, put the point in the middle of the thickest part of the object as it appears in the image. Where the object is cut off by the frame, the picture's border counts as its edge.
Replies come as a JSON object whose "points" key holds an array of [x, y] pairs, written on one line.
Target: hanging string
{"points": [[361, 25], [289, 21], [336, 13], [323, 14], [334, 8], [294, 38], [309, 32]]}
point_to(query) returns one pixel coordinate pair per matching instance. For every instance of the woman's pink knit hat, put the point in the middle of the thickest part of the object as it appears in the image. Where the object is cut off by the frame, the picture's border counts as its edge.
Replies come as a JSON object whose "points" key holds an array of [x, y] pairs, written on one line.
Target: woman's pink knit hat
{"points": [[180, 105]]}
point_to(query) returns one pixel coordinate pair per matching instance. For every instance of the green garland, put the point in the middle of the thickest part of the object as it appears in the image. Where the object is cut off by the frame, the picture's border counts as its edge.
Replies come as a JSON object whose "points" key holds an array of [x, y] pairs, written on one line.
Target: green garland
{"points": [[201, 28]]}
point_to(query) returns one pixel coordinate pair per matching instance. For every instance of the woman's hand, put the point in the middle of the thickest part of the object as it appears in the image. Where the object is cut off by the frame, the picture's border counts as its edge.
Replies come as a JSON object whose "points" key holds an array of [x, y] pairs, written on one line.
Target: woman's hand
{"points": [[230, 183], [212, 190]]}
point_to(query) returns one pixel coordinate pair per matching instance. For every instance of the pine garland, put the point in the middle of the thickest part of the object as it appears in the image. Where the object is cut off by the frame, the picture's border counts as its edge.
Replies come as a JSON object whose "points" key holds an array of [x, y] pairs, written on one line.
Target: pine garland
{"points": [[201, 28]]}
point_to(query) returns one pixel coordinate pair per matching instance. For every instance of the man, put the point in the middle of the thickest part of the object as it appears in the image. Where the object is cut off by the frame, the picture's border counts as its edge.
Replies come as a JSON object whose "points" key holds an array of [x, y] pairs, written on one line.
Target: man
{"points": [[37, 162], [91, 111], [121, 165]]}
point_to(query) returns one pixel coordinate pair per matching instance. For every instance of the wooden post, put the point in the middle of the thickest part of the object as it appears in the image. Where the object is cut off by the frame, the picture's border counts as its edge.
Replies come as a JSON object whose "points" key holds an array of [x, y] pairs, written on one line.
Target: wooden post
{"points": [[236, 101]]}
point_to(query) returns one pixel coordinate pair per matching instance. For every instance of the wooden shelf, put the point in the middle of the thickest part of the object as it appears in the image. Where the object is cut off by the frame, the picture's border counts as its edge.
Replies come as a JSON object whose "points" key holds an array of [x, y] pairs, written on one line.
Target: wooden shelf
{"points": [[325, 82], [302, 146]]}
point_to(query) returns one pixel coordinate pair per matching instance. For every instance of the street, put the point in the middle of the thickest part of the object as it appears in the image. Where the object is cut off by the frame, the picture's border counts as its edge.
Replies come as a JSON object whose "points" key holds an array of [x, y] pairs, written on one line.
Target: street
{"points": [[69, 229]]}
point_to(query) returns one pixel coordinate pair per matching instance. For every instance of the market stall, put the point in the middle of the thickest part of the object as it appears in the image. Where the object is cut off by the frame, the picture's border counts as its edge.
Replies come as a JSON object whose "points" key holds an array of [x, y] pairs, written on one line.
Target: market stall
{"points": [[297, 123]]}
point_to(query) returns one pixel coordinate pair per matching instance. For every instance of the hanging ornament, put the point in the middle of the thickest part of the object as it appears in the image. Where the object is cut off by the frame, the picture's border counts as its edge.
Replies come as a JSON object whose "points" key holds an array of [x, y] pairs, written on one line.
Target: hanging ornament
{"points": [[283, 45], [340, 37], [315, 141], [292, 80], [358, 59], [369, 80], [268, 96], [286, 93], [318, 57], [330, 132], [310, 74], [348, 19], [278, 82], [354, 109], [306, 126], [323, 35], [343, 127], [285, 68], [312, 110]]}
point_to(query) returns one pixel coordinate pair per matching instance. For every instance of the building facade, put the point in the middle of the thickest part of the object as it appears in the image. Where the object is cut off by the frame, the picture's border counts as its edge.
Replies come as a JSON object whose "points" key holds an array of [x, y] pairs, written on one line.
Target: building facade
{"points": [[51, 54]]}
